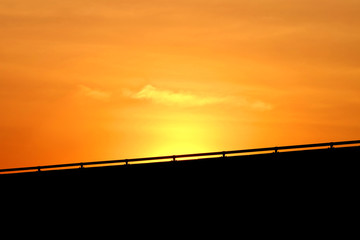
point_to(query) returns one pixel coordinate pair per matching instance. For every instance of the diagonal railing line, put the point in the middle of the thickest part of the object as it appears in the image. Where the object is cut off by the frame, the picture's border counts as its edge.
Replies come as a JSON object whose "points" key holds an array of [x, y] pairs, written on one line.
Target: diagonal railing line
{"points": [[177, 157]]}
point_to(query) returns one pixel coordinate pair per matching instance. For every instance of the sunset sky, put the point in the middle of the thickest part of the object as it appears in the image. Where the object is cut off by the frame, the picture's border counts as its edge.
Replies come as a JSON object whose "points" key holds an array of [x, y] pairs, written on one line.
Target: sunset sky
{"points": [[87, 80]]}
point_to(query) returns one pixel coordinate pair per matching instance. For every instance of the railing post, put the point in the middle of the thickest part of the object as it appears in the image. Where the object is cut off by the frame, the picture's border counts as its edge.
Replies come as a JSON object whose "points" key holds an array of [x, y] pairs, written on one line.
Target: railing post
{"points": [[174, 158], [39, 169], [276, 149], [331, 145], [223, 154]]}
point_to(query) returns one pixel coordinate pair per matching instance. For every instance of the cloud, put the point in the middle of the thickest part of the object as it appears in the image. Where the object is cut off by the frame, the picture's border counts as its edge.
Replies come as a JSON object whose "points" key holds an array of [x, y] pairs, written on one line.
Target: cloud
{"points": [[94, 93], [186, 99], [168, 97], [261, 106]]}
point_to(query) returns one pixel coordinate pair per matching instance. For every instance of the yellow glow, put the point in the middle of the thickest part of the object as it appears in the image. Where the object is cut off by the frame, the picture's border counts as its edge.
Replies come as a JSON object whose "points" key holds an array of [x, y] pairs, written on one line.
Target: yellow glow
{"points": [[182, 138]]}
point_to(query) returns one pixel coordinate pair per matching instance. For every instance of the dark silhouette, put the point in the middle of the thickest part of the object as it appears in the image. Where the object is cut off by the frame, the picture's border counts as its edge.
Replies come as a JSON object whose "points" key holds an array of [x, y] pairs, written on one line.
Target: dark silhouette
{"points": [[275, 163], [266, 183]]}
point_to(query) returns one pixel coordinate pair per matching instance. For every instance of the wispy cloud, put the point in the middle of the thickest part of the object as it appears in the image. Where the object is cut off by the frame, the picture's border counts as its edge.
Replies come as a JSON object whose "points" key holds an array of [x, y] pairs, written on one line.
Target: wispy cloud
{"points": [[167, 97], [261, 106], [94, 93], [186, 99]]}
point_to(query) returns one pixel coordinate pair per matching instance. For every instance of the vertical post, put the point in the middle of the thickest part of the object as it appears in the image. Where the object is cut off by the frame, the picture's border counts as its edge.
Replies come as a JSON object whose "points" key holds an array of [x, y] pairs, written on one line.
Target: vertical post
{"points": [[39, 170], [276, 155], [331, 145], [81, 165], [174, 158], [223, 154]]}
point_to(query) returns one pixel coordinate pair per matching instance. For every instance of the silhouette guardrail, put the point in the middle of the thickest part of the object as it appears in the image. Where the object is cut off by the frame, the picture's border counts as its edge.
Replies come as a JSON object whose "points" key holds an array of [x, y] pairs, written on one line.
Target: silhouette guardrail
{"points": [[177, 157]]}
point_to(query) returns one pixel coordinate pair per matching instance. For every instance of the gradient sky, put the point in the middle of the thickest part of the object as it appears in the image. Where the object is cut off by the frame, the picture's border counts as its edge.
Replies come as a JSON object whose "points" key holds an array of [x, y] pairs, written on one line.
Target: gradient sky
{"points": [[86, 80]]}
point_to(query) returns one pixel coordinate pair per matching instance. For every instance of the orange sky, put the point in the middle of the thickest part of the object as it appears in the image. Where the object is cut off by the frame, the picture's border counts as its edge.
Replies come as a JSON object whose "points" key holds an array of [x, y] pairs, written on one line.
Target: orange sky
{"points": [[86, 80]]}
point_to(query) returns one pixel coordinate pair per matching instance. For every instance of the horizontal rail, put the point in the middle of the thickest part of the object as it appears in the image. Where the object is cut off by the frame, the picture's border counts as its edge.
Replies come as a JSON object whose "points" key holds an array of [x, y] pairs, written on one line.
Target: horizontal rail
{"points": [[176, 157]]}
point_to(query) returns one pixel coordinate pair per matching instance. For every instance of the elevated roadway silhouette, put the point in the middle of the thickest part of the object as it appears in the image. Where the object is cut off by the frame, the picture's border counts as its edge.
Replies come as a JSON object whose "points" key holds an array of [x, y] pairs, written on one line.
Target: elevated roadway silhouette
{"points": [[285, 162]]}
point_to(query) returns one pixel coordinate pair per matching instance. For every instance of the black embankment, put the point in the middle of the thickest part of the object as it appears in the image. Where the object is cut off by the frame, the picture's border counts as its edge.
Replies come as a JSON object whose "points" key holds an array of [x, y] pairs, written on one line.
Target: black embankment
{"points": [[293, 167]]}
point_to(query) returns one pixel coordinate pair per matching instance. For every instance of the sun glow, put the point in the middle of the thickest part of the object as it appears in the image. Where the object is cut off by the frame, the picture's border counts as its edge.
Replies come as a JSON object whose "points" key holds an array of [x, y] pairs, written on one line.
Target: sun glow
{"points": [[182, 138]]}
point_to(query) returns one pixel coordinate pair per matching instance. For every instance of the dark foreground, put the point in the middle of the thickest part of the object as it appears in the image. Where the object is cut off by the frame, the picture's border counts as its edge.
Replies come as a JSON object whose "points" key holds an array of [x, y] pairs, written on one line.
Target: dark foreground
{"points": [[271, 193], [321, 166]]}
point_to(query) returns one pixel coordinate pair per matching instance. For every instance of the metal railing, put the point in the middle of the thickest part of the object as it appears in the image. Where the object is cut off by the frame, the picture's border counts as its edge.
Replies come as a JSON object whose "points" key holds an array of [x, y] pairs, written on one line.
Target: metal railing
{"points": [[177, 157]]}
